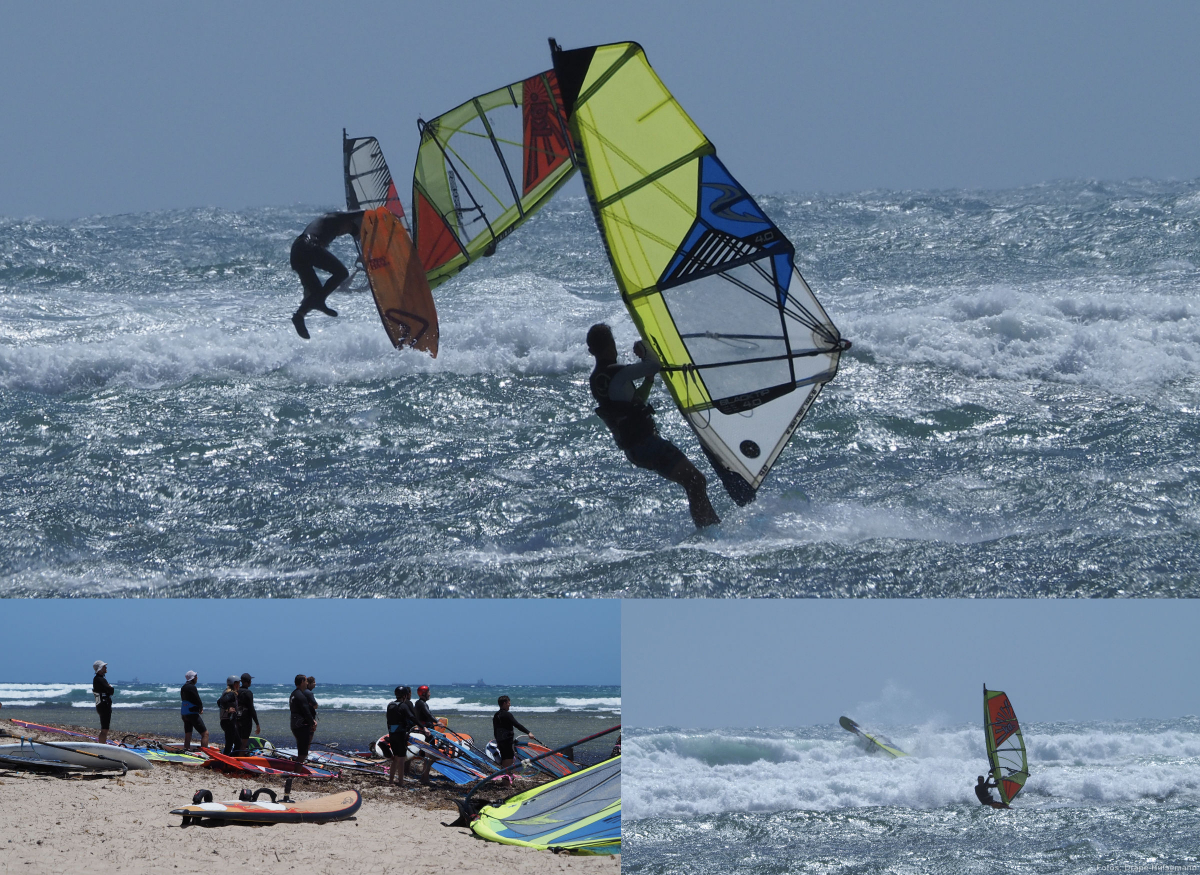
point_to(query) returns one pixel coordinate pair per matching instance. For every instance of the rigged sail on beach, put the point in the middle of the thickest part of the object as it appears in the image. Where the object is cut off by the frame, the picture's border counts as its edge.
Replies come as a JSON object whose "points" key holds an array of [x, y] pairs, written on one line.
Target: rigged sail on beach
{"points": [[708, 278], [485, 167], [1008, 762], [580, 813]]}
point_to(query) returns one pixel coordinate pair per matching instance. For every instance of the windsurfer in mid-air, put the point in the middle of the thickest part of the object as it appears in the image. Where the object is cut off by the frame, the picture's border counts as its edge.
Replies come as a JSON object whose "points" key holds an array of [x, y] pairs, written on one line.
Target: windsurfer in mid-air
{"points": [[983, 790], [630, 418], [310, 252]]}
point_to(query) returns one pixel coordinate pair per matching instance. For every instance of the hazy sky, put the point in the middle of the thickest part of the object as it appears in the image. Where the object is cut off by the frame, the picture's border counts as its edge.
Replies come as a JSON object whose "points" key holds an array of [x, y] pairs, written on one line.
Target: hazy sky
{"points": [[513, 641], [771, 662], [134, 106]]}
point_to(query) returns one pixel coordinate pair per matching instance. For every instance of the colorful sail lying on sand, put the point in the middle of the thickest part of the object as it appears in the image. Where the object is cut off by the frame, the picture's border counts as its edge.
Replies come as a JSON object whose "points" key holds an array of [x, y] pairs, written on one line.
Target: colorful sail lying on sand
{"points": [[547, 761], [874, 742], [708, 278], [1008, 762], [368, 181], [485, 167], [581, 813]]}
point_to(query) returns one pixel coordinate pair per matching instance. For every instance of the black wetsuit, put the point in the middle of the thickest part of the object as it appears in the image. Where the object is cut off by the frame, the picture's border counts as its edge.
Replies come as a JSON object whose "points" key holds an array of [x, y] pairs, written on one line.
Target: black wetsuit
{"points": [[425, 718], [630, 422], [983, 791], [248, 715], [103, 692], [503, 726], [310, 251], [312, 700], [302, 722], [401, 720], [229, 722], [191, 708]]}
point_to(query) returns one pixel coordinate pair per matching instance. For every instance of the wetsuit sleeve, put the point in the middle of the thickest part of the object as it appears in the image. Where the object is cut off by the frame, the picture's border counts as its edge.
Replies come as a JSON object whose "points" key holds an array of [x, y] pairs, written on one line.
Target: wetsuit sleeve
{"points": [[514, 722], [249, 710], [621, 388]]}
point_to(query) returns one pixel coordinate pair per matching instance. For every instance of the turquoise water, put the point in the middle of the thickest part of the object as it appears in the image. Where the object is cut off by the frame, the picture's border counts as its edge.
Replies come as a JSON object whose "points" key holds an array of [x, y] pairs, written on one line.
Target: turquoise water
{"points": [[1018, 416]]}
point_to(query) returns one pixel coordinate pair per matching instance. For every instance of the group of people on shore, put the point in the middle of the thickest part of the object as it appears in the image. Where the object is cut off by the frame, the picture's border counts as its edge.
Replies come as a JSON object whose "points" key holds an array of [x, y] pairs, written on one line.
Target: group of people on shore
{"points": [[238, 716]]}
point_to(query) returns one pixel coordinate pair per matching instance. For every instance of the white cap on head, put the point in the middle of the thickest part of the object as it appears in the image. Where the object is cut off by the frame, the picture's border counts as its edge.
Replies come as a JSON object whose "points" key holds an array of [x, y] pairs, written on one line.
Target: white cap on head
{"points": [[190, 676], [98, 664]]}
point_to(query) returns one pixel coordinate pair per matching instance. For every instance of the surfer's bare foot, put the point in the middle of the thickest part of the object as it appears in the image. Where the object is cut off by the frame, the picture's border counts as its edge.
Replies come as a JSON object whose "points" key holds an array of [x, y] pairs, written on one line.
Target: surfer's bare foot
{"points": [[298, 321]]}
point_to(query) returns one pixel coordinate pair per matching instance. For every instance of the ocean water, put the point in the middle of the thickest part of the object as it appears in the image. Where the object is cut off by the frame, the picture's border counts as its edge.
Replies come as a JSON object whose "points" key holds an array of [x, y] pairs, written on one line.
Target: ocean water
{"points": [[452, 698], [1018, 417], [1100, 797], [351, 715]]}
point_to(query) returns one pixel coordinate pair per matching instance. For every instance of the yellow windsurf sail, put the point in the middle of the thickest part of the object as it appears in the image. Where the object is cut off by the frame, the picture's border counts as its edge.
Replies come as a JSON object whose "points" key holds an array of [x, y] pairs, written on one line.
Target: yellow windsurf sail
{"points": [[580, 813], [708, 278]]}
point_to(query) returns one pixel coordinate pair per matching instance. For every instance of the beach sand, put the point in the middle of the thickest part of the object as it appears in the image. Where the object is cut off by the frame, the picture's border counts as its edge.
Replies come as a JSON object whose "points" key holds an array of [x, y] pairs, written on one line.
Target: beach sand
{"points": [[110, 824]]}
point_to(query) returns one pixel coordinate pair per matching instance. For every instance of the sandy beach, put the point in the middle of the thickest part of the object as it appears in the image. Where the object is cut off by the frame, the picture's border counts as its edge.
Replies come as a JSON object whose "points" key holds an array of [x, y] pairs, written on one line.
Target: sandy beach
{"points": [[123, 824]]}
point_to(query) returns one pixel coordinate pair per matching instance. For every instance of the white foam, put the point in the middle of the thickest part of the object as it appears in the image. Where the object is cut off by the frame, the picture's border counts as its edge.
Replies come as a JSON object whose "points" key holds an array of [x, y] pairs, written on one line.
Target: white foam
{"points": [[677, 773], [608, 704], [14, 692]]}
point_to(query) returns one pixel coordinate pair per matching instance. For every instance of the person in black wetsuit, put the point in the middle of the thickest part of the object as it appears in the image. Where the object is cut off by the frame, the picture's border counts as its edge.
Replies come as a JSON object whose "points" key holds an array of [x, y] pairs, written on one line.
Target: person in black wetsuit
{"points": [[503, 724], [401, 719], [303, 718], [425, 718], [630, 418], [249, 716], [310, 684], [310, 252], [227, 708], [983, 790], [190, 710], [102, 692]]}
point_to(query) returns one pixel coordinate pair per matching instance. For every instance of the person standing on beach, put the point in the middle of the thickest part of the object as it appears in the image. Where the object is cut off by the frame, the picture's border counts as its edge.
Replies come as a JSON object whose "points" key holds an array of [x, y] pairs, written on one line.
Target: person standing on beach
{"points": [[401, 719], [190, 710], [249, 716], [503, 726], [227, 707], [304, 717], [425, 719], [310, 684], [102, 692]]}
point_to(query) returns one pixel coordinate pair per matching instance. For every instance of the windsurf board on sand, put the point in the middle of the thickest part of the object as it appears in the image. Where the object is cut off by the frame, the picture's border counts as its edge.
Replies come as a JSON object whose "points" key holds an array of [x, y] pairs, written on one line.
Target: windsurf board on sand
{"points": [[336, 806], [81, 753]]}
